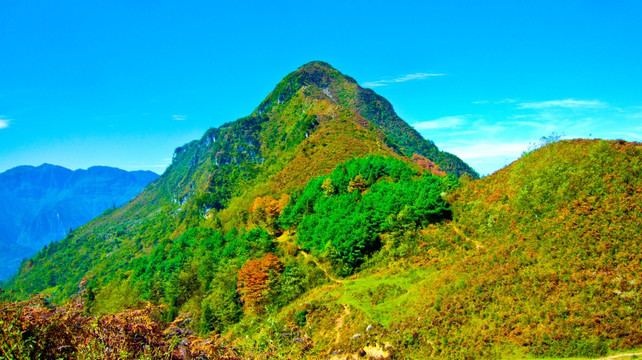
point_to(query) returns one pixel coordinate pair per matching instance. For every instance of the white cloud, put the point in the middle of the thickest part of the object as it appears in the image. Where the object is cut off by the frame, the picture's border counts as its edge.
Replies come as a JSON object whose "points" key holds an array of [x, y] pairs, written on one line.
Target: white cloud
{"points": [[567, 103], [4, 122], [441, 123], [404, 78], [462, 133], [498, 148], [179, 117], [486, 156], [488, 128]]}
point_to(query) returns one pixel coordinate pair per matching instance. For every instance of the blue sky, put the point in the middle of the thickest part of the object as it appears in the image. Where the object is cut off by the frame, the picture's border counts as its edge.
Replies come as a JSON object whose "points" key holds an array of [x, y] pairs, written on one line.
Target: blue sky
{"points": [[123, 83]]}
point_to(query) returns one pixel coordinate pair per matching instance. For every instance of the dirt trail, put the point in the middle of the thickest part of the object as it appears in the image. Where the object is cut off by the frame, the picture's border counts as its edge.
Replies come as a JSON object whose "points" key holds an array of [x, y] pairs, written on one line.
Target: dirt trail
{"points": [[316, 262], [286, 238], [478, 245], [346, 309], [340, 322], [621, 356]]}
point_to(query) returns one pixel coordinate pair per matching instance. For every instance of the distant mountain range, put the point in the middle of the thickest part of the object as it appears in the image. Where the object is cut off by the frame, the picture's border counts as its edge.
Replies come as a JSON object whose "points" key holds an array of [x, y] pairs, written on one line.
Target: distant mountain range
{"points": [[42, 204]]}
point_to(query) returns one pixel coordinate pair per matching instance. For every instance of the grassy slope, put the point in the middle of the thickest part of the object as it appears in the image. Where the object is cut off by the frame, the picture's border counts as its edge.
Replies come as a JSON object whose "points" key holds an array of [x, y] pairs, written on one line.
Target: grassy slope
{"points": [[542, 259], [561, 262]]}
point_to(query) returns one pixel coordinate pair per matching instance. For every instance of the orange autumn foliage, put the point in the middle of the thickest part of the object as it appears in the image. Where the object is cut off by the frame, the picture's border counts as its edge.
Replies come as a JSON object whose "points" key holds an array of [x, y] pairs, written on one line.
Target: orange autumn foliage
{"points": [[254, 280], [265, 211], [428, 165]]}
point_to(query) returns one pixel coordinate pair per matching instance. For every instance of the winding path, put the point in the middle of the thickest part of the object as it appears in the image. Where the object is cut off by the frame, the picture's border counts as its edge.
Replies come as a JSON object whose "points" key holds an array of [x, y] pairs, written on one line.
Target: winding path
{"points": [[286, 238], [478, 245], [340, 322], [316, 262], [346, 309], [621, 356]]}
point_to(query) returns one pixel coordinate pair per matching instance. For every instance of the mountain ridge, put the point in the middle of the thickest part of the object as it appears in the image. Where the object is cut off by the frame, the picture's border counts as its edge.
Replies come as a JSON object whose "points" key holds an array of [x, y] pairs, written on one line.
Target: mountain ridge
{"points": [[41, 203]]}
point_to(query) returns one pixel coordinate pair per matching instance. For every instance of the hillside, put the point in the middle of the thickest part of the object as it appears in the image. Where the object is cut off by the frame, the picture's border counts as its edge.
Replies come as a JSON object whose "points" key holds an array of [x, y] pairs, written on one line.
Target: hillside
{"points": [[314, 119], [540, 260], [559, 262], [309, 229], [41, 204]]}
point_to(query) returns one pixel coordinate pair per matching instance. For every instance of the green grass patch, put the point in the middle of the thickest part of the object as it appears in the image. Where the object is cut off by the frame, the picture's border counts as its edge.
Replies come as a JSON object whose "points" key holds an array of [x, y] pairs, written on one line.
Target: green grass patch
{"points": [[380, 296]]}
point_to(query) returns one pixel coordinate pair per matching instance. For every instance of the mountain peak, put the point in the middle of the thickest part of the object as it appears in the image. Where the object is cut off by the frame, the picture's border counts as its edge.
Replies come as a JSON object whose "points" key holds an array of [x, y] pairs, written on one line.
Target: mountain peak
{"points": [[318, 85], [317, 64], [313, 74], [321, 74], [317, 70]]}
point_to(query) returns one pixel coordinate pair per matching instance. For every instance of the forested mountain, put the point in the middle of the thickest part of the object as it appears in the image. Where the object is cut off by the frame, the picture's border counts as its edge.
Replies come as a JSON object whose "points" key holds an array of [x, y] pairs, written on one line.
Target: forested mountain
{"points": [[41, 204], [323, 226], [314, 119]]}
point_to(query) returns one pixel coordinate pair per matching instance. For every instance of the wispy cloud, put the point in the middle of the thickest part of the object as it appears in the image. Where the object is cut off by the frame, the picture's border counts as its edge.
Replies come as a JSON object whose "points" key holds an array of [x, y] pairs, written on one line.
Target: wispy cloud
{"points": [[441, 123], [400, 79], [533, 124], [567, 103], [488, 128], [4, 122], [627, 134], [502, 101], [179, 117], [636, 115]]}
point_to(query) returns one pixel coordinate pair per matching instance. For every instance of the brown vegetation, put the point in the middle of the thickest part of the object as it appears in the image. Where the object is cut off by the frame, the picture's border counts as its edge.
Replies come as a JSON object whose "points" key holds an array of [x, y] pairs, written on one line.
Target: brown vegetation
{"points": [[428, 165], [254, 281], [35, 329]]}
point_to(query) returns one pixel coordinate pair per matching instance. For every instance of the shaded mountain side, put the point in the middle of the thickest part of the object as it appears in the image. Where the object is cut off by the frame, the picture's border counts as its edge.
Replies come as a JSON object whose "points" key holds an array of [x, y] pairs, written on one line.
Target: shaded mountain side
{"points": [[11, 256], [41, 204]]}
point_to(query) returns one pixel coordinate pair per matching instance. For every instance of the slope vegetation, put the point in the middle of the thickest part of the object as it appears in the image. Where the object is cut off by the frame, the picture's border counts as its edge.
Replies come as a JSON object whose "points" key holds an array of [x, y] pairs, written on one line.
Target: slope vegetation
{"points": [[538, 260], [560, 267], [541, 259], [314, 119]]}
